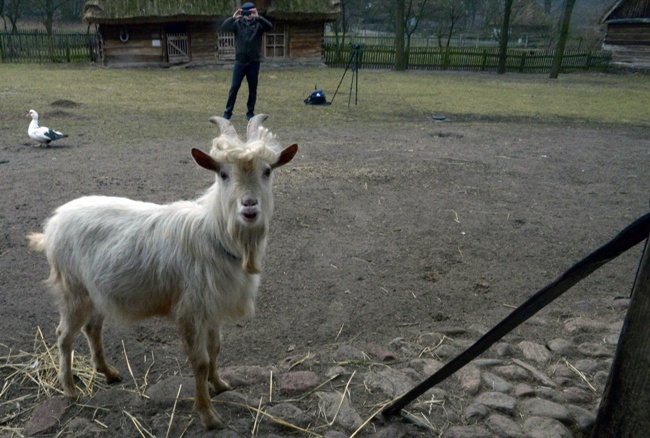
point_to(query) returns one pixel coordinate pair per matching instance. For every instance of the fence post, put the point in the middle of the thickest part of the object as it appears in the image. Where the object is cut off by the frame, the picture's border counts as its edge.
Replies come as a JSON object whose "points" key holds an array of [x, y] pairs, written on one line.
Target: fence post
{"points": [[522, 62], [625, 405], [484, 60]]}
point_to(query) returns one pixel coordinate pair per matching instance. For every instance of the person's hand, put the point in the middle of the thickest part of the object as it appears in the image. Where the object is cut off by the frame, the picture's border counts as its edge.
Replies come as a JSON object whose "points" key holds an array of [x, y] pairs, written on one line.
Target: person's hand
{"points": [[254, 13], [237, 14]]}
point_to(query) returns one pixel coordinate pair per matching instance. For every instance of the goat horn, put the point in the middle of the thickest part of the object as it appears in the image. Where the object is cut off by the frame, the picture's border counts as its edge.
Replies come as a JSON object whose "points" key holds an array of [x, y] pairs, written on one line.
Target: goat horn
{"points": [[224, 126], [253, 124]]}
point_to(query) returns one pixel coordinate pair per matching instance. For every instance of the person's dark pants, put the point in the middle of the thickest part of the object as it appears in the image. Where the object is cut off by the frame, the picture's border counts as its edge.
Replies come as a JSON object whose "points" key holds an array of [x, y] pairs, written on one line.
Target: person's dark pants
{"points": [[251, 72]]}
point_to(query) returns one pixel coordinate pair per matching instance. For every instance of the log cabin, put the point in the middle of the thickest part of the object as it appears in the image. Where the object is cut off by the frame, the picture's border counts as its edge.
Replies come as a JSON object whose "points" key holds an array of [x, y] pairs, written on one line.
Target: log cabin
{"points": [[168, 32], [628, 34]]}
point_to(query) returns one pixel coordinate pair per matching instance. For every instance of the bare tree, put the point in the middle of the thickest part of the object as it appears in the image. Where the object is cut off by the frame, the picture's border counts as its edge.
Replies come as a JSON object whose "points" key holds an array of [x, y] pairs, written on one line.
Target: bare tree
{"points": [[400, 53], [561, 43], [48, 9], [503, 37], [13, 11]]}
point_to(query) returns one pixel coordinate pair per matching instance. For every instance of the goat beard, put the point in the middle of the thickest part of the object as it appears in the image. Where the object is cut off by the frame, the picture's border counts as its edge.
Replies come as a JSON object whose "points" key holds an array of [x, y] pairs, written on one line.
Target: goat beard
{"points": [[251, 242]]}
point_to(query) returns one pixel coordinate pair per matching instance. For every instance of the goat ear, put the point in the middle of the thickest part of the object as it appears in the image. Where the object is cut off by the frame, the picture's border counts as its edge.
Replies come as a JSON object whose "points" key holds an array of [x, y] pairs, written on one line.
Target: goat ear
{"points": [[286, 155], [204, 160]]}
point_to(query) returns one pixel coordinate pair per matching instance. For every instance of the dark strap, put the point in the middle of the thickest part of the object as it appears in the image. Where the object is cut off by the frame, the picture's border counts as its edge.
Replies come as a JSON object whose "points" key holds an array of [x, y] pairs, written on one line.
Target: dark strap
{"points": [[633, 234]]}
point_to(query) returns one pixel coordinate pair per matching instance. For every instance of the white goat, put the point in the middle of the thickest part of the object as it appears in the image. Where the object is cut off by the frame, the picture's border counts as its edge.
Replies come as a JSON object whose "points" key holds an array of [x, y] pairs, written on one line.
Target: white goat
{"points": [[194, 261]]}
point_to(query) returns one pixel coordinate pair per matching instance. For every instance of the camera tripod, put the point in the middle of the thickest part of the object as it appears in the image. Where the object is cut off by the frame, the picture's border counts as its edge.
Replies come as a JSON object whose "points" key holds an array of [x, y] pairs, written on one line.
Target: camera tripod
{"points": [[354, 62]]}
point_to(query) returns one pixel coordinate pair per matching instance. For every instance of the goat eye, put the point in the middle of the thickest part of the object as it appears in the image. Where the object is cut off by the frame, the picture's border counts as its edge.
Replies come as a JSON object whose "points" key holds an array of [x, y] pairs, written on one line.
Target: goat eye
{"points": [[223, 175], [267, 172]]}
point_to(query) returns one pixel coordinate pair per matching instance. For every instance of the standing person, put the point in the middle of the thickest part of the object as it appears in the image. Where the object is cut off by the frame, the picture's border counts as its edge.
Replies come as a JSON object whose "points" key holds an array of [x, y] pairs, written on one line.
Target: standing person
{"points": [[248, 27]]}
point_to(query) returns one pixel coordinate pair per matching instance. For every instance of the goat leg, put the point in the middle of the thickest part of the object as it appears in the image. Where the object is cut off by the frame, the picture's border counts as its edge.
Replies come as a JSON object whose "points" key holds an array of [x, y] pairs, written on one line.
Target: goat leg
{"points": [[93, 332], [214, 345], [195, 342]]}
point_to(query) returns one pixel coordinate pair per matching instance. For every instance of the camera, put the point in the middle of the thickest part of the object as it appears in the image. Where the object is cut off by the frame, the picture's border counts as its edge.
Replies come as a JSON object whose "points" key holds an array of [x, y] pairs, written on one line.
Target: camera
{"points": [[246, 12]]}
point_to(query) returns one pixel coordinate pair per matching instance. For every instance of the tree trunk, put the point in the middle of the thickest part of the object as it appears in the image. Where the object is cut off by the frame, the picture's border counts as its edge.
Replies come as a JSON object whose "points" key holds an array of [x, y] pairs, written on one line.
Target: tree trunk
{"points": [[400, 53], [503, 38], [625, 408], [561, 43]]}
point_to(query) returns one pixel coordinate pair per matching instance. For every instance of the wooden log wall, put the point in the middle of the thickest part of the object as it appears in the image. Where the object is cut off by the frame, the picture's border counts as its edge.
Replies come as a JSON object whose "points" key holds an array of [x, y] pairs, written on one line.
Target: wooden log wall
{"points": [[305, 40]]}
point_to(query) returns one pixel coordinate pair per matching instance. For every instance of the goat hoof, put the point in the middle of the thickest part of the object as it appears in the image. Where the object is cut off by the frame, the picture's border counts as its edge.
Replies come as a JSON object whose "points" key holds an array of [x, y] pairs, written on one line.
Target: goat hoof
{"points": [[112, 376], [210, 419], [220, 386]]}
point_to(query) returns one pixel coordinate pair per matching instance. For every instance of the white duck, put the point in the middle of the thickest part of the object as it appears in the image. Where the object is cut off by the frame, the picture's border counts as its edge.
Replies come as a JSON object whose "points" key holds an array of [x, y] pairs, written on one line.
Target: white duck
{"points": [[41, 134]]}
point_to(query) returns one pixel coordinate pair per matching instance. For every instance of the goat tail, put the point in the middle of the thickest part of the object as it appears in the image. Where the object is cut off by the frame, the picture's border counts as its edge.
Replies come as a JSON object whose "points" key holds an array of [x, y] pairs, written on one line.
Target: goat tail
{"points": [[36, 242]]}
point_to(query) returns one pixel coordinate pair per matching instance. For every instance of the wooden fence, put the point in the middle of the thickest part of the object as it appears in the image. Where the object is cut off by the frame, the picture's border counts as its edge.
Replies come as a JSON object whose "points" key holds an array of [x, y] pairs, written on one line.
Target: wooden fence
{"points": [[38, 46], [472, 59]]}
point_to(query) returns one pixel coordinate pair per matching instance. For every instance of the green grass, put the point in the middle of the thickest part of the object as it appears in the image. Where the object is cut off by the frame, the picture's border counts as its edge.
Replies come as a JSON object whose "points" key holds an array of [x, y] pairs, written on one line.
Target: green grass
{"points": [[154, 104]]}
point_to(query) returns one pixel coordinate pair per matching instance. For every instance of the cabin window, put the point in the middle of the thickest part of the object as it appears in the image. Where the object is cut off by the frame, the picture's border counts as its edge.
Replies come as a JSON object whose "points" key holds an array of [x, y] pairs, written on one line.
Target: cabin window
{"points": [[276, 40]]}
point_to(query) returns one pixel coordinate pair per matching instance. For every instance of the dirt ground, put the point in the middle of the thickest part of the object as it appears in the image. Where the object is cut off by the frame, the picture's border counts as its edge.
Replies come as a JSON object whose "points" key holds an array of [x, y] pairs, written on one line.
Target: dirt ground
{"points": [[378, 233]]}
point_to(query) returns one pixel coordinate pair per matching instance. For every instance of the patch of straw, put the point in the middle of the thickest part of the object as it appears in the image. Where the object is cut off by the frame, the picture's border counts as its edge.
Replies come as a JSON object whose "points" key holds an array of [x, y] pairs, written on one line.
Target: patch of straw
{"points": [[144, 433], [276, 420], [579, 373], [128, 365], [171, 418]]}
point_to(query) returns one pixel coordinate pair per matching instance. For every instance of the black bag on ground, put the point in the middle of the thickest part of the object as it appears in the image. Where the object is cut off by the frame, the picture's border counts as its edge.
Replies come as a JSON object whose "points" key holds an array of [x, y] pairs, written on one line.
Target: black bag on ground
{"points": [[316, 98]]}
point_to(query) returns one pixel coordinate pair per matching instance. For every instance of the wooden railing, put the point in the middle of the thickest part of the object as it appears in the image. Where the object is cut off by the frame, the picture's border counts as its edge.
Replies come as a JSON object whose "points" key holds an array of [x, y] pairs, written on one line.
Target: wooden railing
{"points": [[37, 46], [454, 58]]}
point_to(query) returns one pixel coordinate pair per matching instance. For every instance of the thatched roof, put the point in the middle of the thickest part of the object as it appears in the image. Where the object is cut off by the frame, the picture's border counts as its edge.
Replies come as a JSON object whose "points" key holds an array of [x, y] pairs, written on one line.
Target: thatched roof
{"points": [[305, 10], [628, 11], [152, 11]]}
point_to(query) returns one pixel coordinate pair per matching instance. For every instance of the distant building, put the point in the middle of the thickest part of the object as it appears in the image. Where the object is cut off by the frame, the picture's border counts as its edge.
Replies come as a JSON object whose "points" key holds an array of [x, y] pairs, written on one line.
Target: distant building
{"points": [[164, 32], [628, 33]]}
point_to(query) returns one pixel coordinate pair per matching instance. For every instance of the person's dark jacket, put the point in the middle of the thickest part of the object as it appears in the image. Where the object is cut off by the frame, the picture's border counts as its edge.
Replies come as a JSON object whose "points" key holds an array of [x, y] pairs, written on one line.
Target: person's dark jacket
{"points": [[248, 37]]}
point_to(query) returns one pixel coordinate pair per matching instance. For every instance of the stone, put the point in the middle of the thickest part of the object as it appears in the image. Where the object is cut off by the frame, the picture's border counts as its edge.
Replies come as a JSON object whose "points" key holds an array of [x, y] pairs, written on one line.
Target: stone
{"points": [[498, 401], [562, 347], [46, 416], [616, 327], [503, 427], [380, 353], [621, 303], [578, 325], [395, 430], [523, 390], [335, 434], [562, 370], [82, 427], [476, 412], [291, 414], [247, 375], [337, 370], [600, 379], [426, 366], [165, 392], [467, 432], [470, 379], [431, 339], [586, 366], [404, 347], [542, 427], [348, 353], [495, 383], [535, 352], [446, 351], [336, 406], [504, 349], [550, 394], [512, 372], [577, 395], [391, 382], [487, 363], [297, 382], [479, 329], [595, 350], [583, 419], [612, 339], [537, 407], [452, 331]]}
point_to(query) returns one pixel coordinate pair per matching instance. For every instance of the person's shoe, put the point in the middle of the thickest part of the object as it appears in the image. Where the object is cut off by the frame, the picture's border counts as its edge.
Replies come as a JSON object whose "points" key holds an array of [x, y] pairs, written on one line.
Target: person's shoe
{"points": [[249, 116], [227, 116]]}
